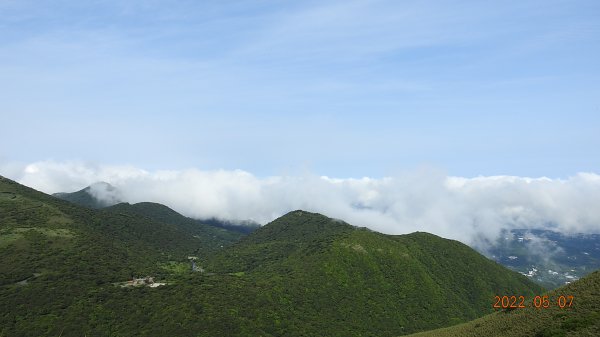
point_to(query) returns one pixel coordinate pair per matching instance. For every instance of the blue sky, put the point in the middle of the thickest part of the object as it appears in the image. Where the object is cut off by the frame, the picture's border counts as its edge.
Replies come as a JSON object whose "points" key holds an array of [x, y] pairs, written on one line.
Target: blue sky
{"points": [[338, 88]]}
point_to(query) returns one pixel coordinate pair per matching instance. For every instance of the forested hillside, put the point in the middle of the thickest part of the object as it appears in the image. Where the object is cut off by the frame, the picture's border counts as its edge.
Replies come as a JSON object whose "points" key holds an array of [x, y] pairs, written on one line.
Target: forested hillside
{"points": [[64, 266]]}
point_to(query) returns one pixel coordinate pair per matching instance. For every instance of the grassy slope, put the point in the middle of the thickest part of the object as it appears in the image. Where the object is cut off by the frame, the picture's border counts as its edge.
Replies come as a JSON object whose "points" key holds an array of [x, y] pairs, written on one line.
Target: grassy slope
{"points": [[582, 319]]}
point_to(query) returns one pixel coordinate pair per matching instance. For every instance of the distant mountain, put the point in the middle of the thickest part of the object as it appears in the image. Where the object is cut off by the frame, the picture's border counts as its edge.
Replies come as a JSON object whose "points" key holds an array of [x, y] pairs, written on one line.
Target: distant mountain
{"points": [[547, 257], [98, 195], [210, 238], [581, 317], [102, 195]]}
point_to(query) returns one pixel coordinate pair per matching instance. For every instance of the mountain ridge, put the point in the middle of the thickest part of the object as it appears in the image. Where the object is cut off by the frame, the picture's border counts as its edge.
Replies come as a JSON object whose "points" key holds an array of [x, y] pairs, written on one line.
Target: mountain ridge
{"points": [[210, 238], [320, 260], [103, 195], [88, 198], [304, 274]]}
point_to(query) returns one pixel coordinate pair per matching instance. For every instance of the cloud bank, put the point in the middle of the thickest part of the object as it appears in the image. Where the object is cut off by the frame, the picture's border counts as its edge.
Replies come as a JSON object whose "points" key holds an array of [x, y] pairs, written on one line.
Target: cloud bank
{"points": [[471, 210]]}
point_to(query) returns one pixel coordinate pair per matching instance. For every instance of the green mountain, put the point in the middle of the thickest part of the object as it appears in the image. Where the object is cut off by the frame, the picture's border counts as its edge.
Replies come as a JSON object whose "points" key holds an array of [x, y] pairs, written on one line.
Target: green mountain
{"points": [[349, 281], [209, 238], [581, 317], [35, 227], [103, 195], [88, 197], [62, 267], [47, 236], [54, 254]]}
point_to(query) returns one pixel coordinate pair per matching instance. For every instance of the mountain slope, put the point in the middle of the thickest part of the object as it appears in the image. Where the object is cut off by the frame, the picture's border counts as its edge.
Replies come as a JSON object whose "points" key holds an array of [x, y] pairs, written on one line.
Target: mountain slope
{"points": [[581, 319], [54, 254], [302, 275], [33, 224], [398, 284], [40, 232], [210, 238], [104, 195]]}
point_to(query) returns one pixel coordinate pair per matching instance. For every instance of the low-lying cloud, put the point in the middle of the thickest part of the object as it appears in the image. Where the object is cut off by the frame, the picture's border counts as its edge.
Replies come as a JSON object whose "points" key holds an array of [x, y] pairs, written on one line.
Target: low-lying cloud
{"points": [[466, 209]]}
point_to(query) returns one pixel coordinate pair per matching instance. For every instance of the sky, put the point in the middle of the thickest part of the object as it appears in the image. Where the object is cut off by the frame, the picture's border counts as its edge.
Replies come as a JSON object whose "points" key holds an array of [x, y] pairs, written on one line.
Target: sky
{"points": [[301, 91]]}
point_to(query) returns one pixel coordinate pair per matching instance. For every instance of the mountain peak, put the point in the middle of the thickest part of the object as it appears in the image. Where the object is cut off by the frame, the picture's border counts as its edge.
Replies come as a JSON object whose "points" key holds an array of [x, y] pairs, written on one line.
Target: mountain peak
{"points": [[301, 213], [98, 195], [302, 223], [296, 232]]}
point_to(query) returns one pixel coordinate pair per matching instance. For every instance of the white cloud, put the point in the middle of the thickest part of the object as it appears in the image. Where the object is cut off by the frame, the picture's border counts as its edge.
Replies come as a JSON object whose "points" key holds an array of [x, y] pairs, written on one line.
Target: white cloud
{"points": [[467, 209]]}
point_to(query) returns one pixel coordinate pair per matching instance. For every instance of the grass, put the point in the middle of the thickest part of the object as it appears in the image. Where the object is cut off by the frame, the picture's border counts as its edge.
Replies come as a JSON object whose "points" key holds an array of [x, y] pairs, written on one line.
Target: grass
{"points": [[8, 238], [11, 235], [8, 196]]}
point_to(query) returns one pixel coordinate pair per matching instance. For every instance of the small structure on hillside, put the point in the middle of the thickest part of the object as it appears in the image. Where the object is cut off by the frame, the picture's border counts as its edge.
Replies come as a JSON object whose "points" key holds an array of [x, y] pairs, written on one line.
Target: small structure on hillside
{"points": [[148, 280], [195, 267]]}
